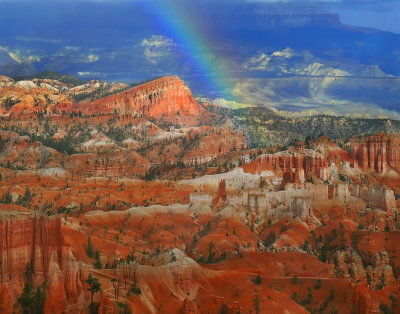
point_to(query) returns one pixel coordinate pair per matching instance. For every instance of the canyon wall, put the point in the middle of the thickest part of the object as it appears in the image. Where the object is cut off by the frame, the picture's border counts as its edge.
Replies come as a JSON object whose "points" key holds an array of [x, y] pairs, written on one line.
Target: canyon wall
{"points": [[27, 239], [377, 153], [37, 241], [294, 168]]}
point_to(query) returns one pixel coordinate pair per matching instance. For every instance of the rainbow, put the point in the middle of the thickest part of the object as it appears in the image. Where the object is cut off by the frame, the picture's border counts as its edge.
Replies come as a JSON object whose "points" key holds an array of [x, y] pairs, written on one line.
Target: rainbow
{"points": [[170, 18]]}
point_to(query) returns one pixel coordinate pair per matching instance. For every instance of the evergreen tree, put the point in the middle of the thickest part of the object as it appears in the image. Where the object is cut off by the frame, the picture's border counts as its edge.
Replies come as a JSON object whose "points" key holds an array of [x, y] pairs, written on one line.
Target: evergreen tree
{"points": [[89, 249], [6, 199], [94, 286], [97, 263], [210, 259], [134, 288], [257, 280]]}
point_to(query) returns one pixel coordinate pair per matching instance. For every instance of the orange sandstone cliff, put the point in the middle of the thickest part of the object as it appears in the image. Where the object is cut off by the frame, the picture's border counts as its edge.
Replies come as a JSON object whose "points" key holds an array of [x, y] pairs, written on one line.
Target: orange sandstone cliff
{"points": [[377, 153], [34, 244], [165, 98]]}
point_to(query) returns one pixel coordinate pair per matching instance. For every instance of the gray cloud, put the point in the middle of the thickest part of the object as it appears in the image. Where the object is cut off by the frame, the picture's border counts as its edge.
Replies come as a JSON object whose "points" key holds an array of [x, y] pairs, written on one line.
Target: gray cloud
{"points": [[324, 94]]}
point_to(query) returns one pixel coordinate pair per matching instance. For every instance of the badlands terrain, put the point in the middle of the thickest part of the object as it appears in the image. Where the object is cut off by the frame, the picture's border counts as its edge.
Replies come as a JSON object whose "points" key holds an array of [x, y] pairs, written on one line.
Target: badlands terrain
{"points": [[139, 199]]}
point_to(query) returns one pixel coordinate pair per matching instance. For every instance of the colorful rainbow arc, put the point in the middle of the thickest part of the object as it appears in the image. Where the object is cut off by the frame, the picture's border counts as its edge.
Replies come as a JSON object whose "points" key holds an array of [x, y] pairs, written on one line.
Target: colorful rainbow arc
{"points": [[169, 16]]}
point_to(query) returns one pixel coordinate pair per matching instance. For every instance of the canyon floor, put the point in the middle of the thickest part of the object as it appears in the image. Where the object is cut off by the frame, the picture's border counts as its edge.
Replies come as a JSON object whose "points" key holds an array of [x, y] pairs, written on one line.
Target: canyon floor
{"points": [[138, 199]]}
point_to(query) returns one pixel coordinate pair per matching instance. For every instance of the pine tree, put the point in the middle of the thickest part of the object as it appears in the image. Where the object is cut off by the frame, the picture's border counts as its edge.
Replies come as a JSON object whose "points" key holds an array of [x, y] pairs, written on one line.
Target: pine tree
{"points": [[94, 286], [134, 288], [211, 253], [257, 280], [89, 249], [97, 263]]}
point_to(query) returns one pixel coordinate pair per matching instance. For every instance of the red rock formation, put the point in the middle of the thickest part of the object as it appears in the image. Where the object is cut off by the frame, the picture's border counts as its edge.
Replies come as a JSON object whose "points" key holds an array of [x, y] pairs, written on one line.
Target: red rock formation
{"points": [[37, 240], [294, 168], [220, 198], [377, 153], [55, 300], [5, 301], [43, 95], [381, 271], [189, 307], [377, 197], [350, 264], [72, 271], [216, 143], [360, 299], [24, 240], [107, 306], [164, 98], [235, 308]]}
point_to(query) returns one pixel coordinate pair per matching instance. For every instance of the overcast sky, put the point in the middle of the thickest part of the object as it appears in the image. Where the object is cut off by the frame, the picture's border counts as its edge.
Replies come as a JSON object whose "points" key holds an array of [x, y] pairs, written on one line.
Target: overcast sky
{"points": [[379, 14]]}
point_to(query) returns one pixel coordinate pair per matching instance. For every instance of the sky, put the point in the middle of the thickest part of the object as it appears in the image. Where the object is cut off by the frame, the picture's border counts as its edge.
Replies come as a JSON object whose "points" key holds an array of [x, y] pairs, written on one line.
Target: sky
{"points": [[382, 14], [242, 50]]}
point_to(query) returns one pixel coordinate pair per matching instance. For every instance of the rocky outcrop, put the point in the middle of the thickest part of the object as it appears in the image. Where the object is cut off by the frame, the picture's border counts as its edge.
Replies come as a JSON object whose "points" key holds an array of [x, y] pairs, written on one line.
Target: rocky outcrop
{"points": [[376, 197], [381, 272], [189, 307], [73, 274], [55, 298], [21, 152], [40, 95], [164, 98], [5, 301], [294, 167], [37, 240], [185, 272], [106, 305], [123, 162], [27, 239], [94, 89], [378, 153], [214, 144], [219, 199], [360, 299], [349, 264]]}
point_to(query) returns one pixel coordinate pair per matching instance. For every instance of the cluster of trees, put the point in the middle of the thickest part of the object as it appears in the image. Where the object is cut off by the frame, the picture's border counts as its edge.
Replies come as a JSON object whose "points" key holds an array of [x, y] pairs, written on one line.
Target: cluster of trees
{"points": [[91, 253], [211, 257], [7, 198], [393, 306], [116, 134], [32, 299], [11, 166], [64, 145], [10, 101], [26, 199], [95, 94]]}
